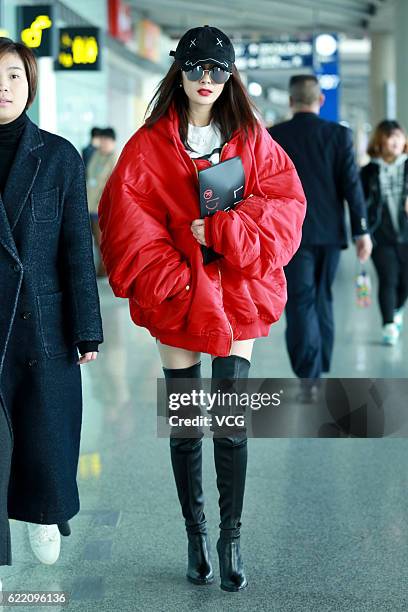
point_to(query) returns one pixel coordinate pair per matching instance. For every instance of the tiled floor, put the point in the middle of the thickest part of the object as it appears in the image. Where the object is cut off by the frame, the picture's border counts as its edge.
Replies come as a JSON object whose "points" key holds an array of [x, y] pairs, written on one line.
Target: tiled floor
{"points": [[325, 520]]}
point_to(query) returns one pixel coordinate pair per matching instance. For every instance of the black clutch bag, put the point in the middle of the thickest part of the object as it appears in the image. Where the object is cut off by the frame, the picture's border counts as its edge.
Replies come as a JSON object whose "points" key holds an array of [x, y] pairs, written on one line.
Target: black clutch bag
{"points": [[221, 187]]}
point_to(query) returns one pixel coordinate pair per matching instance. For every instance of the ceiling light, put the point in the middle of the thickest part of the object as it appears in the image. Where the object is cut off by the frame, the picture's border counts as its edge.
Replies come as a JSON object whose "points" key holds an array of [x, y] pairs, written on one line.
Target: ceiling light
{"points": [[255, 89]]}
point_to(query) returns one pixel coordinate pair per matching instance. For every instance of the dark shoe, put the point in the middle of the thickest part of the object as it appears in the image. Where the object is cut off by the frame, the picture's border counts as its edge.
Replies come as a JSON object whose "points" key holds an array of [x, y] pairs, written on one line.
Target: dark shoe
{"points": [[64, 529], [307, 396], [199, 570], [231, 566], [309, 391]]}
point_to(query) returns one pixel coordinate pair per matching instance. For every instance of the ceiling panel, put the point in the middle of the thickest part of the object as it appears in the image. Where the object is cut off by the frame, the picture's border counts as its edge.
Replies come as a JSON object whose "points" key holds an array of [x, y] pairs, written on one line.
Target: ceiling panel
{"points": [[262, 17]]}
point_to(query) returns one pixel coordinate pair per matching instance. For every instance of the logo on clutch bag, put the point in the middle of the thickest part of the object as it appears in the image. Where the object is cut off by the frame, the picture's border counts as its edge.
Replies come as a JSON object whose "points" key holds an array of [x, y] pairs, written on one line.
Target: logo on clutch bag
{"points": [[211, 202]]}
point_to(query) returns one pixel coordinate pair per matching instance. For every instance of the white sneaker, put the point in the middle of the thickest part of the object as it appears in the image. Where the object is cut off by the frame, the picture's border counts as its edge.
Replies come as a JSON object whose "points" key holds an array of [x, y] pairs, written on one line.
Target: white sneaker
{"points": [[399, 318], [45, 541], [390, 334]]}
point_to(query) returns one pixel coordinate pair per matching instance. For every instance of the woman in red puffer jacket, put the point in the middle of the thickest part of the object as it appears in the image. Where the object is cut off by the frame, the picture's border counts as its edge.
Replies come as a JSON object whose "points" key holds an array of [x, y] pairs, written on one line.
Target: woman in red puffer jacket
{"points": [[151, 245]]}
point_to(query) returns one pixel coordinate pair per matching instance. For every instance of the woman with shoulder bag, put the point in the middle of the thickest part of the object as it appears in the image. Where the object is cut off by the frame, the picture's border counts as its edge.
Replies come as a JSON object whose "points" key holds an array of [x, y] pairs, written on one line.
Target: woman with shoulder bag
{"points": [[385, 184], [152, 236]]}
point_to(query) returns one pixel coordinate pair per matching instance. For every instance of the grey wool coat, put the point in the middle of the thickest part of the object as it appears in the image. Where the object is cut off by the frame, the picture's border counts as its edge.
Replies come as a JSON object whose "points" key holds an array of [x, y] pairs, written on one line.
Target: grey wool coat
{"points": [[49, 303]]}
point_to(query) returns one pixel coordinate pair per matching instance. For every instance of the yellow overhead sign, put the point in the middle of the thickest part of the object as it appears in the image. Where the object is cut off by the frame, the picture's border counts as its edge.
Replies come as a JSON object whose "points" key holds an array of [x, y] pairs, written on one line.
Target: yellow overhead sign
{"points": [[32, 36], [35, 24], [79, 49]]}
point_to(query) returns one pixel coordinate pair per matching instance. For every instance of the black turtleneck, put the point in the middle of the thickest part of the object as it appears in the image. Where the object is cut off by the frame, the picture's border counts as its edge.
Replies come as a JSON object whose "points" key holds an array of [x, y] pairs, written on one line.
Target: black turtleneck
{"points": [[10, 134]]}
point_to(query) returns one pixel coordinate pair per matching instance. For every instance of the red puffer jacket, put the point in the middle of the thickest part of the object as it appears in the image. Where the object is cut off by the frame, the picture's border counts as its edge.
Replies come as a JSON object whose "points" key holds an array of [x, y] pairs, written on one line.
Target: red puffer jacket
{"points": [[153, 259]]}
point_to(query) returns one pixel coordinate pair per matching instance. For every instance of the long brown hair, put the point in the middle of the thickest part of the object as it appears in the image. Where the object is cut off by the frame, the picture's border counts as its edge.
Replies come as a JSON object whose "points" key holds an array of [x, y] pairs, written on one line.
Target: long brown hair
{"points": [[233, 110], [385, 128], [29, 61]]}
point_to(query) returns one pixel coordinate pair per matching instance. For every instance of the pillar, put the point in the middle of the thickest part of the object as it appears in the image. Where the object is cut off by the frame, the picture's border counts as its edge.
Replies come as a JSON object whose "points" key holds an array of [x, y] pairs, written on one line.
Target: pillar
{"points": [[401, 51], [382, 77]]}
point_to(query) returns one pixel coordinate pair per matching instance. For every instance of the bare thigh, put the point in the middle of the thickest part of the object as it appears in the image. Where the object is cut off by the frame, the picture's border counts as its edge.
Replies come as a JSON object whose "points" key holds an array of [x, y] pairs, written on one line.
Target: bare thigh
{"points": [[241, 348], [176, 358]]}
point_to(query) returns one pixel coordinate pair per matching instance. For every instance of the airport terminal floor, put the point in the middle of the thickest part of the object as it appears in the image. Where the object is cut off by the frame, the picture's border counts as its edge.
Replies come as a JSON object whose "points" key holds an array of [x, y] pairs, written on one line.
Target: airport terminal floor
{"points": [[324, 523]]}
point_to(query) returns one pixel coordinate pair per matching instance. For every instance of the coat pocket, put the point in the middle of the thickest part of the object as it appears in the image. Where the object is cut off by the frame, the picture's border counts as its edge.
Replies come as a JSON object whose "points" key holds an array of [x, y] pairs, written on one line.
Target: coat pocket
{"points": [[270, 297], [53, 325], [45, 205], [170, 315]]}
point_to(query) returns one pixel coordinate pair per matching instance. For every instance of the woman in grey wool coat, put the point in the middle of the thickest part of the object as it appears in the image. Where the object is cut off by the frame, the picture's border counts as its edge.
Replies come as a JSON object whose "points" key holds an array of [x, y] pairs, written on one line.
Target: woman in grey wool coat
{"points": [[49, 312]]}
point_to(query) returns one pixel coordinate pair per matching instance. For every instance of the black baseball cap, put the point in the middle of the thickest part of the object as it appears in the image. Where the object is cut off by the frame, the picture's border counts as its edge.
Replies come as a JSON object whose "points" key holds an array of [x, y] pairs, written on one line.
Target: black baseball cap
{"points": [[204, 45]]}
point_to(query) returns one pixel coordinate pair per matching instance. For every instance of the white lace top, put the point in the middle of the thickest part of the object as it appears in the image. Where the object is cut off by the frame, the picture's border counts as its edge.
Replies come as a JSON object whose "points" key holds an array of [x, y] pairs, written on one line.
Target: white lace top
{"points": [[206, 142]]}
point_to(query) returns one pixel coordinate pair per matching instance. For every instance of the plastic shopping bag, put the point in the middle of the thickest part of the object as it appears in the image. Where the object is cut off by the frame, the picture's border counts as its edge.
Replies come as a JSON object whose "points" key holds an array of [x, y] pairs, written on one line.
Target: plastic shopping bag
{"points": [[363, 289]]}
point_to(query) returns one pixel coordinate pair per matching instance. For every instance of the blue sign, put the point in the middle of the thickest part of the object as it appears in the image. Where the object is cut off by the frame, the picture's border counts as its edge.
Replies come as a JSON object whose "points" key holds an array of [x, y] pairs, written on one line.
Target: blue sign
{"points": [[326, 68], [319, 55], [274, 54]]}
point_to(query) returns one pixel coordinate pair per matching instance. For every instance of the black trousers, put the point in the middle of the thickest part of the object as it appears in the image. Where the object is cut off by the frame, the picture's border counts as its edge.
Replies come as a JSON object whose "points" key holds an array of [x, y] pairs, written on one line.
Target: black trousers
{"points": [[391, 264], [309, 309], [5, 461]]}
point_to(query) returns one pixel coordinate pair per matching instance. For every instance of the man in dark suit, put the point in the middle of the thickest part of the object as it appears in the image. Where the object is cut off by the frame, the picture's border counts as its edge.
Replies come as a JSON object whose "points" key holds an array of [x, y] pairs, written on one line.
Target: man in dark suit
{"points": [[323, 154]]}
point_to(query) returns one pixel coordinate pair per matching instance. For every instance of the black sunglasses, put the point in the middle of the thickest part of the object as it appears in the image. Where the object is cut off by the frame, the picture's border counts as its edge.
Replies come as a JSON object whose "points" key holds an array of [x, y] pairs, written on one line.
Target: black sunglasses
{"points": [[217, 74]]}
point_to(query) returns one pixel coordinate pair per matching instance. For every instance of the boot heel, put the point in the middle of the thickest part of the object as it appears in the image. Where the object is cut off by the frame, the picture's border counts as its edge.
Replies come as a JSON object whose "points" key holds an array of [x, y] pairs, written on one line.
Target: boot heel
{"points": [[199, 569], [231, 566]]}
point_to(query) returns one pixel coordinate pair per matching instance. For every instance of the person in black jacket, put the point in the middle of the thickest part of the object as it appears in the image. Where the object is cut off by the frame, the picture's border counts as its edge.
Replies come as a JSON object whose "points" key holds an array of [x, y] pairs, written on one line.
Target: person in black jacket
{"points": [[89, 150], [385, 184], [49, 306], [322, 152]]}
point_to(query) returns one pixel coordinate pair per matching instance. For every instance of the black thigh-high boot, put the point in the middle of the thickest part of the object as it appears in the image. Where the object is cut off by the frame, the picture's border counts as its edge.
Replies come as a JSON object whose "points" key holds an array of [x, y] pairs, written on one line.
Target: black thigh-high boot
{"points": [[186, 460], [230, 456]]}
